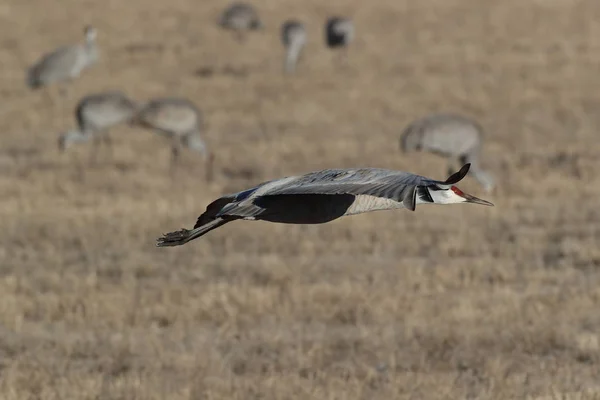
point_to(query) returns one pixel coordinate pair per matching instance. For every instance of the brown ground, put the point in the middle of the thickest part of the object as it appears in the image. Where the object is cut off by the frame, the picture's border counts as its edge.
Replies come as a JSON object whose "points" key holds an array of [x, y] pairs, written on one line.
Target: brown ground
{"points": [[447, 302]]}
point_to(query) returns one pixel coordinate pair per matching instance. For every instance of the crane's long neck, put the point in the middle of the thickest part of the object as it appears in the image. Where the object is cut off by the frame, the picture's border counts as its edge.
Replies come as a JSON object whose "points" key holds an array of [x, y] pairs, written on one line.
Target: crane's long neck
{"points": [[91, 48], [194, 142], [292, 55], [482, 176], [73, 136]]}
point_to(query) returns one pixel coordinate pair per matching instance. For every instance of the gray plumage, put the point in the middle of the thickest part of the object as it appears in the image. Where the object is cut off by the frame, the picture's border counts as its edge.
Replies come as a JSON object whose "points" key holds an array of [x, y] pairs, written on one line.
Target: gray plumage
{"points": [[96, 114], [293, 37], [181, 121], [323, 196], [65, 63], [240, 17], [339, 32], [453, 136]]}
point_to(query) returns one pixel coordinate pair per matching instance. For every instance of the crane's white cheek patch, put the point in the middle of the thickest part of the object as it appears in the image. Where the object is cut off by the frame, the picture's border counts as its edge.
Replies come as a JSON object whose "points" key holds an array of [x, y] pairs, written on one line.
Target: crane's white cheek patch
{"points": [[364, 203], [448, 196]]}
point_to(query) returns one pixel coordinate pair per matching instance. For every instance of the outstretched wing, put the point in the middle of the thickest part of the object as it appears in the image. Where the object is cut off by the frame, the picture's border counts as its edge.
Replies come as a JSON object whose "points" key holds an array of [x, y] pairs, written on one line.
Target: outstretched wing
{"points": [[398, 186]]}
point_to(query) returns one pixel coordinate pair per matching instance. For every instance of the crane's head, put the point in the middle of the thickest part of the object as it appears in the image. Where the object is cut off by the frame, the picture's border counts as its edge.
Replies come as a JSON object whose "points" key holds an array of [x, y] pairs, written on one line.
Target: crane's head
{"points": [[447, 193], [454, 195]]}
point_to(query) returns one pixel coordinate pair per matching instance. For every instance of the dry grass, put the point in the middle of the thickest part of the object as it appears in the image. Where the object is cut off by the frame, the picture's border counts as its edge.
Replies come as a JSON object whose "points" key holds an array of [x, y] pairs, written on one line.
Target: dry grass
{"points": [[447, 302]]}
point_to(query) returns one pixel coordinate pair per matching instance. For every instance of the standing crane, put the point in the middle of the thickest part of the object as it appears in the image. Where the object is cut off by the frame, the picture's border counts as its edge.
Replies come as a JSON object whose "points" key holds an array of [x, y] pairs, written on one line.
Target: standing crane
{"points": [[454, 136], [293, 36], [180, 121], [65, 63], [96, 114], [339, 33], [323, 196]]}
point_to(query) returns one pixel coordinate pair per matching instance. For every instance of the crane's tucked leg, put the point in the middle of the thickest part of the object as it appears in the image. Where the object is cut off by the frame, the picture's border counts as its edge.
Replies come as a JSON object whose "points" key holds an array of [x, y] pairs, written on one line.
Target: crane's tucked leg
{"points": [[185, 235]]}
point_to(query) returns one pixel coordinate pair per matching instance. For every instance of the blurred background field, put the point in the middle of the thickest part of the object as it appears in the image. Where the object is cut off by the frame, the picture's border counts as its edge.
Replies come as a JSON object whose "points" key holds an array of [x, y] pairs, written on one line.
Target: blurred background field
{"points": [[446, 302]]}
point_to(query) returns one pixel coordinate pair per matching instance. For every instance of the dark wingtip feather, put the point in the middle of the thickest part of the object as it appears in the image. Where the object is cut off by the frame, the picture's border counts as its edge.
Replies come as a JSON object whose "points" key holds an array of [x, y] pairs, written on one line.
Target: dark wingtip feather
{"points": [[458, 176], [410, 200], [173, 238]]}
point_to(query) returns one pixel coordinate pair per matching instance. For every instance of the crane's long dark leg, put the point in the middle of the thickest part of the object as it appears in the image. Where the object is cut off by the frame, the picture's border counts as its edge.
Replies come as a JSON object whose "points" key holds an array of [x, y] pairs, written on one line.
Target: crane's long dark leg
{"points": [[108, 144], [48, 96], [63, 95], [175, 153], [239, 36], [96, 144], [346, 57], [79, 167], [342, 60]]}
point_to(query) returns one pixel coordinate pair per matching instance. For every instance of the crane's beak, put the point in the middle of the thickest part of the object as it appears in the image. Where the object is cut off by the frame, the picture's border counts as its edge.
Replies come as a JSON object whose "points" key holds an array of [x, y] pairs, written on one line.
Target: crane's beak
{"points": [[475, 200], [468, 198]]}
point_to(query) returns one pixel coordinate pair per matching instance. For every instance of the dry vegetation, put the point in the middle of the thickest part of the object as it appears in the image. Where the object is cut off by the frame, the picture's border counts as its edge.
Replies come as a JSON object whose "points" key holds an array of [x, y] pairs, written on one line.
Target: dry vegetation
{"points": [[447, 302]]}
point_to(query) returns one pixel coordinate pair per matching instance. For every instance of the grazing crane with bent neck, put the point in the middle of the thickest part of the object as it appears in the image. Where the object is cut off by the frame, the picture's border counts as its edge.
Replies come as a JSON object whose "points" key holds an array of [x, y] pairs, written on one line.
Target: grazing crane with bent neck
{"points": [[323, 196], [454, 136], [96, 114], [181, 121]]}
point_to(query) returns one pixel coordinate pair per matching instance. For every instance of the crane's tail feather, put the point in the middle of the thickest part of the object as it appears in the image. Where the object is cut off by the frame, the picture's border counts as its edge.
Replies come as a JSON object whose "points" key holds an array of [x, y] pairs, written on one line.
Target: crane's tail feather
{"points": [[183, 236]]}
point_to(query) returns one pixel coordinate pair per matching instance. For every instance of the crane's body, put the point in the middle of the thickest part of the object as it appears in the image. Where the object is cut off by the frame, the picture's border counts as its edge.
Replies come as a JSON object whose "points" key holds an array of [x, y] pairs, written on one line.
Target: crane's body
{"points": [[453, 136], [179, 120], [293, 37], [324, 196], [240, 17], [65, 63], [96, 114], [339, 32]]}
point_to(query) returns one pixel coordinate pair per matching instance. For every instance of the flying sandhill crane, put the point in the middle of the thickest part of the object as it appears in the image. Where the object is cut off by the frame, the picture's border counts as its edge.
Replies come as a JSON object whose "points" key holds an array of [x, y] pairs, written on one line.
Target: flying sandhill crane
{"points": [[323, 196], [65, 63], [339, 33], [240, 17], [293, 36], [456, 137], [179, 120], [96, 114]]}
